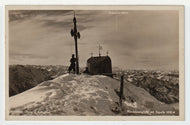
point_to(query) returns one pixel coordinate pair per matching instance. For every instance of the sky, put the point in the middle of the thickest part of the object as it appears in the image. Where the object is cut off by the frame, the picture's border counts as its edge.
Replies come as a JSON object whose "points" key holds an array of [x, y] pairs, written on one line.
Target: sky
{"points": [[134, 39]]}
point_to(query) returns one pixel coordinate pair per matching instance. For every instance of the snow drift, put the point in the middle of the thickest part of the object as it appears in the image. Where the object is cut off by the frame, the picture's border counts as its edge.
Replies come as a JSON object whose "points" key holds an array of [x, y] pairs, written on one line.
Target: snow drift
{"points": [[72, 94]]}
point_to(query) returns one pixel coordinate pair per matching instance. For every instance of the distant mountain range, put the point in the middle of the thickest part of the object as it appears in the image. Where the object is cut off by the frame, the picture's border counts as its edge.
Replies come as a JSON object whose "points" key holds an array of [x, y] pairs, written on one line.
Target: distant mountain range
{"points": [[162, 85], [24, 77]]}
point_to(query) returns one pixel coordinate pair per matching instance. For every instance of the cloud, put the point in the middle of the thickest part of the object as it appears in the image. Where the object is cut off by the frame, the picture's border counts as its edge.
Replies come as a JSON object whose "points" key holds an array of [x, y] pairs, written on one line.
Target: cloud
{"points": [[21, 15], [25, 55], [135, 39]]}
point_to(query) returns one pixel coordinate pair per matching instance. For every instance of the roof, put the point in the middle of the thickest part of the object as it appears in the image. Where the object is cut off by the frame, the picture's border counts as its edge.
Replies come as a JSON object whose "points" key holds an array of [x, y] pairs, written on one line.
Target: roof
{"points": [[98, 59]]}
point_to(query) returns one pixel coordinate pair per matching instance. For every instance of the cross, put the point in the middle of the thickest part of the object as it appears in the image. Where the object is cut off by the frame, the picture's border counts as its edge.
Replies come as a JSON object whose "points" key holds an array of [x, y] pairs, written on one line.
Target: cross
{"points": [[76, 35]]}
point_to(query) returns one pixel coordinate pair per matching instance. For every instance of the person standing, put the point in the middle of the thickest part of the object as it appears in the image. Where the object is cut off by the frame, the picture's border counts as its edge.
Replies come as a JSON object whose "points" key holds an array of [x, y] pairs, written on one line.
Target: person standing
{"points": [[72, 65]]}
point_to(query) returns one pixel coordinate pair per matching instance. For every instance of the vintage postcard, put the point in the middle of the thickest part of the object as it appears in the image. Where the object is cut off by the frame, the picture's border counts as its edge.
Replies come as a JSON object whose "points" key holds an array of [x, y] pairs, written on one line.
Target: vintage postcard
{"points": [[107, 63]]}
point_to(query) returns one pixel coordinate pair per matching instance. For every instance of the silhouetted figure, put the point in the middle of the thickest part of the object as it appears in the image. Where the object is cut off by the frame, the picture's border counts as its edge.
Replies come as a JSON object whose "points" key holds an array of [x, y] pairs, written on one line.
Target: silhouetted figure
{"points": [[72, 65]]}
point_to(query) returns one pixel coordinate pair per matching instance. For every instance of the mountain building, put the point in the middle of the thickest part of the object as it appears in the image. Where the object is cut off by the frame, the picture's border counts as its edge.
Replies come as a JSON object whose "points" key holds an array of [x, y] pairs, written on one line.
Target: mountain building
{"points": [[99, 65]]}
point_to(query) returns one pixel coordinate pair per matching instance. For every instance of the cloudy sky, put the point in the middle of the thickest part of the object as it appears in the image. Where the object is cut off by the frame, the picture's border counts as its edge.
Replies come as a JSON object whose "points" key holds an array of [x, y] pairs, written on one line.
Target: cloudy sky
{"points": [[134, 39]]}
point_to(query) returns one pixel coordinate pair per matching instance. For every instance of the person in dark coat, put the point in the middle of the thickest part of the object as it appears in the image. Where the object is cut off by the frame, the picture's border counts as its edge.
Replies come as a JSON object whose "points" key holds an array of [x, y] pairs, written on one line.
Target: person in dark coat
{"points": [[72, 65]]}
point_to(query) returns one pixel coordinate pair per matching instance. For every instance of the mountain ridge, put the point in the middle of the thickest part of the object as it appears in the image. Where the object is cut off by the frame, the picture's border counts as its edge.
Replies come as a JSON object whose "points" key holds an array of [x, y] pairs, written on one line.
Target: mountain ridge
{"points": [[71, 94]]}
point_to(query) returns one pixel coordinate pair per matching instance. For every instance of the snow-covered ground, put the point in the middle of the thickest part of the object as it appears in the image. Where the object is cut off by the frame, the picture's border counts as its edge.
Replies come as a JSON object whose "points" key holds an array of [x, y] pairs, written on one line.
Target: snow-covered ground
{"points": [[72, 94]]}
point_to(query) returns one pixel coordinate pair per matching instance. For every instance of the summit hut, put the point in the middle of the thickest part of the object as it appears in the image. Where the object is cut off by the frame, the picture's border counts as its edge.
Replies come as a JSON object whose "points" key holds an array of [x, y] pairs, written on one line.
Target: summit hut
{"points": [[99, 65]]}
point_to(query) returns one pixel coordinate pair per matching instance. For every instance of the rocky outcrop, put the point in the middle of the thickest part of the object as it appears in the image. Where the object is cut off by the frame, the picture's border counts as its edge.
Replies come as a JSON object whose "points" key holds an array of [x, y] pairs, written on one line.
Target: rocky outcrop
{"points": [[164, 91], [22, 78]]}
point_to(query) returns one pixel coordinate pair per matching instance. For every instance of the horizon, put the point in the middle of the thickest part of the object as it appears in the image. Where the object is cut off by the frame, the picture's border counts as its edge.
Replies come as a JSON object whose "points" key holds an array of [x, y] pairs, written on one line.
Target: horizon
{"points": [[115, 67]]}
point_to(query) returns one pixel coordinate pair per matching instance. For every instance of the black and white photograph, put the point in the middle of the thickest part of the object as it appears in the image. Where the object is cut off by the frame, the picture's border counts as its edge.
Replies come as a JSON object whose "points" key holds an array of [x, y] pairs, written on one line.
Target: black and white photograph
{"points": [[95, 62]]}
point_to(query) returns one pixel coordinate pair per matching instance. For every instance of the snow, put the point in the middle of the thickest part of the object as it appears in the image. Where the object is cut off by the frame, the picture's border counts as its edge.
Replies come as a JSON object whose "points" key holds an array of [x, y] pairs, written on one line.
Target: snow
{"points": [[130, 79], [72, 94], [61, 77], [32, 95], [134, 105]]}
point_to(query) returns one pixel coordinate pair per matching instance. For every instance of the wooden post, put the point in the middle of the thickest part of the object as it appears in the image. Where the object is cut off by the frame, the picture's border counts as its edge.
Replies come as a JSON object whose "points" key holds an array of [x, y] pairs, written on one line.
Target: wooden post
{"points": [[121, 90], [77, 58]]}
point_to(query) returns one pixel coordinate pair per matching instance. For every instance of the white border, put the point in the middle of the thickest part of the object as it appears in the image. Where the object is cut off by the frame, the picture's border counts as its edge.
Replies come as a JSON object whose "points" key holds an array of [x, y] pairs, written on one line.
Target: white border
{"points": [[93, 2]]}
